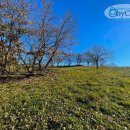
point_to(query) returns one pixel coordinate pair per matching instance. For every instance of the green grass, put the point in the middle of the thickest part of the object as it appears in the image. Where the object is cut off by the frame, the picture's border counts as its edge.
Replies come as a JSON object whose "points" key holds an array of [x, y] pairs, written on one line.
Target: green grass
{"points": [[77, 98]]}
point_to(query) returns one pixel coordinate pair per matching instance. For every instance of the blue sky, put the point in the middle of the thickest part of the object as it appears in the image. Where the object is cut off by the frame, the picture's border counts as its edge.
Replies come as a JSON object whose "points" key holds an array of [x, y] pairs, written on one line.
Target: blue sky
{"points": [[94, 28]]}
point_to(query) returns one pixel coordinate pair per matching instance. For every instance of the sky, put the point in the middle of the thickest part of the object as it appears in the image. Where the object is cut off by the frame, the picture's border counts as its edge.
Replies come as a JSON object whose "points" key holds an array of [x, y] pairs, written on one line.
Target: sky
{"points": [[93, 27]]}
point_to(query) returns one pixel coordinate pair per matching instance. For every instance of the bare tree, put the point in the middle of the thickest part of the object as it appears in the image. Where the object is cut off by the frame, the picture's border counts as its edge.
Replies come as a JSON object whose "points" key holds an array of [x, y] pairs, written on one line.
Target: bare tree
{"points": [[86, 58], [98, 55], [69, 58], [45, 31], [52, 34], [62, 37], [58, 58], [79, 59]]}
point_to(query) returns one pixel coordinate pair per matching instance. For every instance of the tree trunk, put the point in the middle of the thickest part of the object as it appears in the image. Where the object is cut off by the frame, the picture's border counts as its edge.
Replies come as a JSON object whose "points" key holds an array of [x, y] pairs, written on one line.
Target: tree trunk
{"points": [[97, 65], [57, 64], [33, 65], [39, 64], [48, 62], [88, 63], [69, 64]]}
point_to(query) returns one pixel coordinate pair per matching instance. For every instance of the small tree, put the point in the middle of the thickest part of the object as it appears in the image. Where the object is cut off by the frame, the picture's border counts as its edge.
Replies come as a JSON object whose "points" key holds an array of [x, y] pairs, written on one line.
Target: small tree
{"points": [[86, 58], [58, 58], [69, 58], [98, 55], [78, 59]]}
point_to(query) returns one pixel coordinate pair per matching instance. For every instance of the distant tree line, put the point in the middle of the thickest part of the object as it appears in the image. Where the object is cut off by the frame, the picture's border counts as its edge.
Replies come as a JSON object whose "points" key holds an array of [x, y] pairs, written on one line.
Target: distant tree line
{"points": [[33, 38], [95, 56]]}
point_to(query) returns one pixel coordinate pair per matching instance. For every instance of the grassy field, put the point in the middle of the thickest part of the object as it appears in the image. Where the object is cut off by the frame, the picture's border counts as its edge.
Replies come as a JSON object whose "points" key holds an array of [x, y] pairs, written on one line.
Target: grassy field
{"points": [[77, 98]]}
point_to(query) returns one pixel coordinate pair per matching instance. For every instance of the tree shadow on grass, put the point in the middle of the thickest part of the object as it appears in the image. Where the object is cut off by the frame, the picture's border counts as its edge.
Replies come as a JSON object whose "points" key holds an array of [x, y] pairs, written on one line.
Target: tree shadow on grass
{"points": [[18, 77]]}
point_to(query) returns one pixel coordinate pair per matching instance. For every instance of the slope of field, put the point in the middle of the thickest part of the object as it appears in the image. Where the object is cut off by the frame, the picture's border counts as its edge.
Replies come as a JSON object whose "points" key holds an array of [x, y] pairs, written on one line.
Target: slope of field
{"points": [[70, 99]]}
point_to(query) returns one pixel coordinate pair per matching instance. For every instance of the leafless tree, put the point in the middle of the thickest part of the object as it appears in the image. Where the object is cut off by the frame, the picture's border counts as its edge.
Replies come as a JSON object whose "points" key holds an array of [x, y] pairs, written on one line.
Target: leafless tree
{"points": [[86, 58], [79, 59], [69, 58], [53, 35], [98, 55], [62, 36]]}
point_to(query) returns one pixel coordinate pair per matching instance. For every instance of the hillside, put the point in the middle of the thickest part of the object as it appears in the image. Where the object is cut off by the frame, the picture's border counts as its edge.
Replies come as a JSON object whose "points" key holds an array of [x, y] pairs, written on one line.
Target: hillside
{"points": [[78, 98]]}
